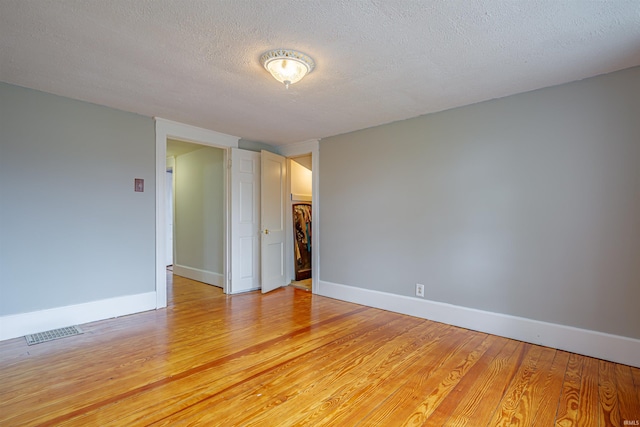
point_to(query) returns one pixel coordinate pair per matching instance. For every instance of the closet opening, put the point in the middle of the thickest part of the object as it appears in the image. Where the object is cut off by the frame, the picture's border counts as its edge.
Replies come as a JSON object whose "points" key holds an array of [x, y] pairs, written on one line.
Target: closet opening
{"points": [[300, 206]]}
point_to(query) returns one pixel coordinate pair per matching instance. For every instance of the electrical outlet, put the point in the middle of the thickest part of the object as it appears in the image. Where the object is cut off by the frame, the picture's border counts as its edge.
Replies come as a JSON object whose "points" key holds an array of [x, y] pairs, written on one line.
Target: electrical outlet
{"points": [[419, 290]]}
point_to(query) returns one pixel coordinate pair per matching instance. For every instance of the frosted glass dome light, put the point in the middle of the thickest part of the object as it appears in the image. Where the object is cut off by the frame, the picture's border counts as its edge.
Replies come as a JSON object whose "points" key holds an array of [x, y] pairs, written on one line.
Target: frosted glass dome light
{"points": [[287, 66]]}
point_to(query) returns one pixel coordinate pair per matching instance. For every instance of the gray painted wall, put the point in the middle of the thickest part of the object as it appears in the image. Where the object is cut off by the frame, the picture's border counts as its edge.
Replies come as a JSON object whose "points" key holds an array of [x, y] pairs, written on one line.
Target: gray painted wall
{"points": [[199, 209], [256, 146], [527, 205], [72, 230]]}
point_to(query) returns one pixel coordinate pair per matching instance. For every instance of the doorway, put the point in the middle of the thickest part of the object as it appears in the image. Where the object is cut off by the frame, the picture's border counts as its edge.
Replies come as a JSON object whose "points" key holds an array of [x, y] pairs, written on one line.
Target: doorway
{"points": [[301, 208], [309, 150], [197, 200], [165, 130]]}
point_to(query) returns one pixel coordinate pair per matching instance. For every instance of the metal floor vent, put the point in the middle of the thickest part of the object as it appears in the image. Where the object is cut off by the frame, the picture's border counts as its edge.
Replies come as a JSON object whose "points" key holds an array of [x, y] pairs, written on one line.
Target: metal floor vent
{"points": [[52, 335]]}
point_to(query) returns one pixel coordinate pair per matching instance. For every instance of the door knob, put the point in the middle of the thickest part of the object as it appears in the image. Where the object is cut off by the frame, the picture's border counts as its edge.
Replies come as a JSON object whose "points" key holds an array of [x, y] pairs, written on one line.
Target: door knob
{"points": [[266, 231]]}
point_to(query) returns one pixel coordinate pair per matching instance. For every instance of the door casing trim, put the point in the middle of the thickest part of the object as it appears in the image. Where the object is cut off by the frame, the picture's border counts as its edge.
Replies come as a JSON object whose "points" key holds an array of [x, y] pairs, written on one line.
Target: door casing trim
{"points": [[180, 131]]}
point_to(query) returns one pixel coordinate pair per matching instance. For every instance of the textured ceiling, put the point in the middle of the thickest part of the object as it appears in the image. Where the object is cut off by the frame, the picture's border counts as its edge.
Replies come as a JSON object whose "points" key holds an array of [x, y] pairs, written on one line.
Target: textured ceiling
{"points": [[377, 61]]}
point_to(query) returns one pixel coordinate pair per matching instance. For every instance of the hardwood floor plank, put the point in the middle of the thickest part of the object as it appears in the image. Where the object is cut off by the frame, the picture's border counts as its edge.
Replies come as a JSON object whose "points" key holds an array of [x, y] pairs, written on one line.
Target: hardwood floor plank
{"points": [[421, 379], [524, 413], [484, 393], [567, 414], [473, 401], [628, 398], [609, 405], [293, 358], [435, 397], [589, 395], [520, 381], [635, 375], [549, 395], [407, 385]]}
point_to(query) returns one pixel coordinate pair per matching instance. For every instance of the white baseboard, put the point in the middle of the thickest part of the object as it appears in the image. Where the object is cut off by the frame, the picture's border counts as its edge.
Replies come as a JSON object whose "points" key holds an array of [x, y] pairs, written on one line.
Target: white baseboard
{"points": [[582, 341], [208, 277], [17, 325], [244, 291]]}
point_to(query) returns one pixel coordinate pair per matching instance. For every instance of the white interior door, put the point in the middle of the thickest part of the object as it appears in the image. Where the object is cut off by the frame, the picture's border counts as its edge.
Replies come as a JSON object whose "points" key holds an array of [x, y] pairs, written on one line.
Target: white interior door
{"points": [[245, 220], [273, 185]]}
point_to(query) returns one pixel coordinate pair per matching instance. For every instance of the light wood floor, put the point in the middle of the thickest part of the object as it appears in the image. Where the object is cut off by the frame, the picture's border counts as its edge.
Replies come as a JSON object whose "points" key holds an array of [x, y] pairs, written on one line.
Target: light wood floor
{"points": [[302, 284], [292, 358]]}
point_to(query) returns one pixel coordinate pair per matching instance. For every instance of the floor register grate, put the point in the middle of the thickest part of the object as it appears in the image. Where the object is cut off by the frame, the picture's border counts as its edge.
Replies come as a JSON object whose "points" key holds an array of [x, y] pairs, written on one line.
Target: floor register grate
{"points": [[54, 334]]}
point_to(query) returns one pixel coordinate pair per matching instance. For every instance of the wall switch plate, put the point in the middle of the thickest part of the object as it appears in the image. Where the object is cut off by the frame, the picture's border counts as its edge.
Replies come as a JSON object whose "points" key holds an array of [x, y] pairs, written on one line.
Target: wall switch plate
{"points": [[419, 290], [138, 185]]}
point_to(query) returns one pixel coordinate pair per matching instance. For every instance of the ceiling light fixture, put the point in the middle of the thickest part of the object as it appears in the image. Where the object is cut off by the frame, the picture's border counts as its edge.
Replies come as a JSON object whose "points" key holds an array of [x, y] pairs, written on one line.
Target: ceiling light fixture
{"points": [[286, 65]]}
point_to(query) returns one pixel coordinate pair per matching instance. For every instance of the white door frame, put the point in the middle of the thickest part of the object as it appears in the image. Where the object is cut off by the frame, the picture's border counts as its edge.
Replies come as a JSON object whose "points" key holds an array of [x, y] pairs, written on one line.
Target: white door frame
{"points": [[174, 130], [171, 209], [298, 149]]}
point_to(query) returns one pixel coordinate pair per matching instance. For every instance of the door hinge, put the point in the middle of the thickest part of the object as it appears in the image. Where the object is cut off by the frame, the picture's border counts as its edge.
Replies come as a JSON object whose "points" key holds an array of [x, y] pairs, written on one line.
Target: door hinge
{"points": [[229, 166]]}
